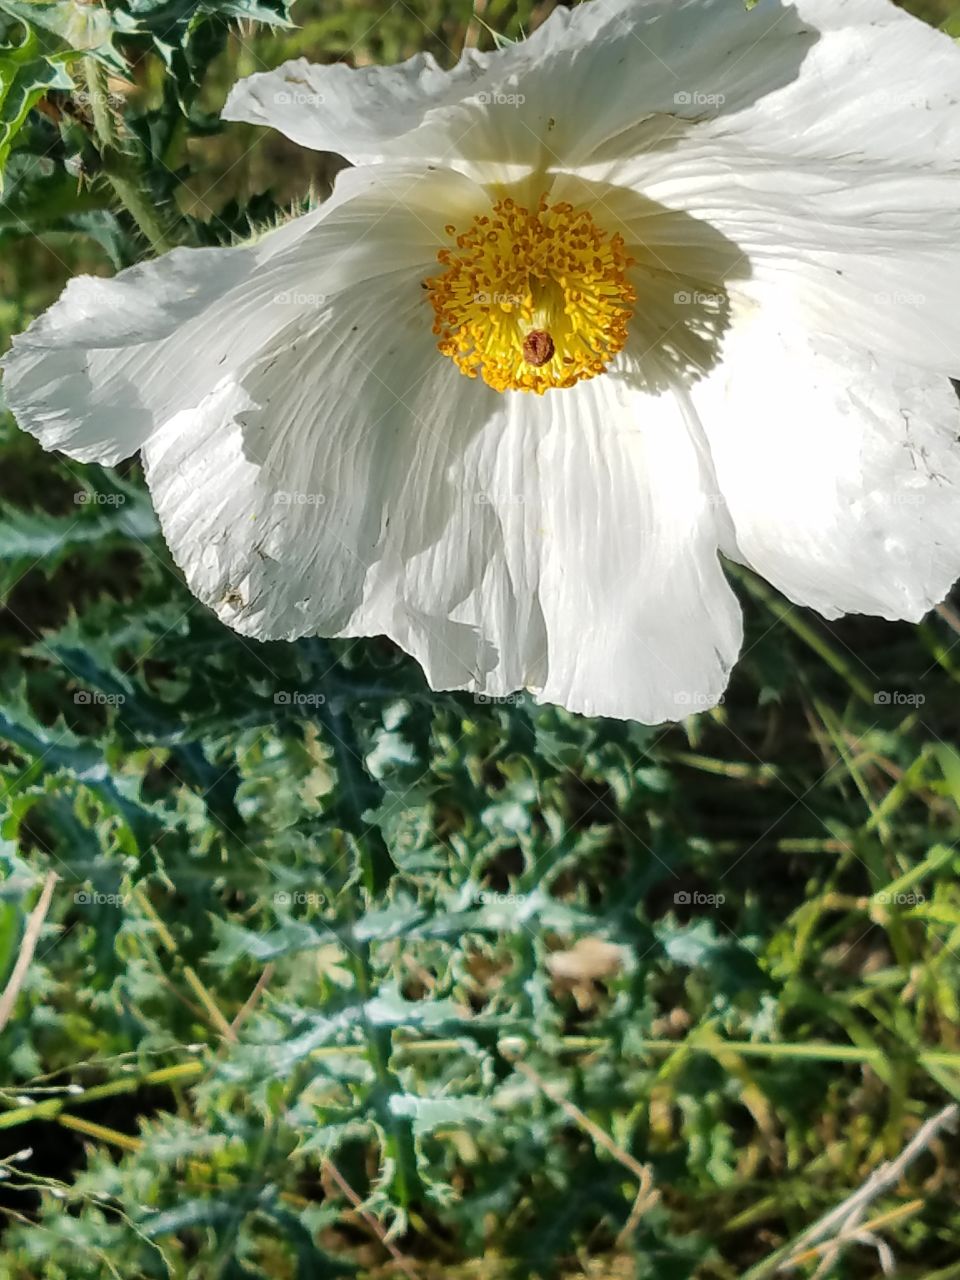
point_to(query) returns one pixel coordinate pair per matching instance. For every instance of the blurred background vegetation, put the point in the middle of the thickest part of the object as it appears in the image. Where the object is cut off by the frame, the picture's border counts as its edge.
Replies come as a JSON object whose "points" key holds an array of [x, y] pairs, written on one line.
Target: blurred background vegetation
{"points": [[383, 982]]}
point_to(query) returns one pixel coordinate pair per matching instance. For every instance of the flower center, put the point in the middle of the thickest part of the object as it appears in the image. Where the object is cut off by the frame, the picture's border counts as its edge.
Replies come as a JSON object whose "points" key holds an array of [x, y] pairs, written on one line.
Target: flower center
{"points": [[529, 301]]}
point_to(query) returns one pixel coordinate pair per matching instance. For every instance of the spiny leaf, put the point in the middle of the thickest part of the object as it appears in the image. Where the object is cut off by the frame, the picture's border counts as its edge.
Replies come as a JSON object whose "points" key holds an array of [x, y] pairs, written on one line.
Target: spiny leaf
{"points": [[26, 74], [428, 1114], [31, 539], [78, 28], [50, 750]]}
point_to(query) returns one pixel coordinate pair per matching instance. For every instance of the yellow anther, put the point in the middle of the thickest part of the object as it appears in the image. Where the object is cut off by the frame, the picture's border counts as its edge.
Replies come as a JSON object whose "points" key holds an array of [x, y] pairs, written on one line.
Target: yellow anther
{"points": [[530, 301]]}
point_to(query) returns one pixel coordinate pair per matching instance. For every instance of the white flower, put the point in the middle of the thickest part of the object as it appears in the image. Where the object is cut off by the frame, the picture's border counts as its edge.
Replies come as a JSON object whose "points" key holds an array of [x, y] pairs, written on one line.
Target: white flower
{"points": [[724, 246]]}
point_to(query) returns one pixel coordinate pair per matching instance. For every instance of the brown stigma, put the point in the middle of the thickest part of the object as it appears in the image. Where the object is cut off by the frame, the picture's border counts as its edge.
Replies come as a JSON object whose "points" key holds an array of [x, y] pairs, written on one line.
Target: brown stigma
{"points": [[538, 348]]}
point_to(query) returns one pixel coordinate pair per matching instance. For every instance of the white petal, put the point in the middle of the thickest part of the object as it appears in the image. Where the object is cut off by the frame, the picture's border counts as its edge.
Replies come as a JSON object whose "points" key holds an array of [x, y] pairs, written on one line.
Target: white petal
{"points": [[115, 359], [82, 378], [839, 183], [357, 484], [586, 77], [640, 621], [271, 493], [841, 472], [572, 541], [355, 112]]}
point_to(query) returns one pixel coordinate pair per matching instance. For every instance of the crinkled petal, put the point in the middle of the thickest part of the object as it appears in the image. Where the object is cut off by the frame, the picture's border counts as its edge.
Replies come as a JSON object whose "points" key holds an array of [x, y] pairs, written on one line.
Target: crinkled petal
{"points": [[356, 112], [273, 492], [841, 472], [840, 186], [579, 560], [83, 377], [115, 359], [357, 484], [640, 621], [585, 78]]}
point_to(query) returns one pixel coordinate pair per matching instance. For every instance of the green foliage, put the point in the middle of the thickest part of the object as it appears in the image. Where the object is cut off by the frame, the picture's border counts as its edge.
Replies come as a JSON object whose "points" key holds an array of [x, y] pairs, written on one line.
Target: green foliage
{"points": [[323, 939], [26, 74], [75, 28]]}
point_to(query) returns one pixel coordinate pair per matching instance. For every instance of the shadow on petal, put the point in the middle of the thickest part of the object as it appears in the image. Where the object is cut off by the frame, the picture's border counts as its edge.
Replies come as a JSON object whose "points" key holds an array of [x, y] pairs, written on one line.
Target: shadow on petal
{"points": [[684, 272]]}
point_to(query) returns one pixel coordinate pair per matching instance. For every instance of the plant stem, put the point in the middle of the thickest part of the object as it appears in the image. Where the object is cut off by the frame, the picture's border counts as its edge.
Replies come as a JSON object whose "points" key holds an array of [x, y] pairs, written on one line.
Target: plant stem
{"points": [[379, 1047], [191, 976], [118, 169], [50, 1108]]}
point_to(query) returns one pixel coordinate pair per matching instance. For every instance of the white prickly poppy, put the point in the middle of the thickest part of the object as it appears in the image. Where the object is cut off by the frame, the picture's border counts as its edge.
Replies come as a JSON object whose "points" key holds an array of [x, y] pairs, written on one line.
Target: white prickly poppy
{"points": [[666, 280]]}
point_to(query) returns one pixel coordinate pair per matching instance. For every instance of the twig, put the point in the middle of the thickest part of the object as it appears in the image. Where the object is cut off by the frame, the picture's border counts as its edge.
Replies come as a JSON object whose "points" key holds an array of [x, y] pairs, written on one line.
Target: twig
{"points": [[377, 1227], [949, 616], [646, 1197], [192, 978], [882, 1179], [27, 948], [101, 1132], [252, 999], [827, 1251], [847, 1218], [476, 25]]}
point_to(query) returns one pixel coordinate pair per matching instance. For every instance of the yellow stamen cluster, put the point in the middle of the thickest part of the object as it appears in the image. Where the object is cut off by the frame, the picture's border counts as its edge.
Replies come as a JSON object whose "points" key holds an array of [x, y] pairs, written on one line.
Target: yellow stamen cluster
{"points": [[530, 301]]}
